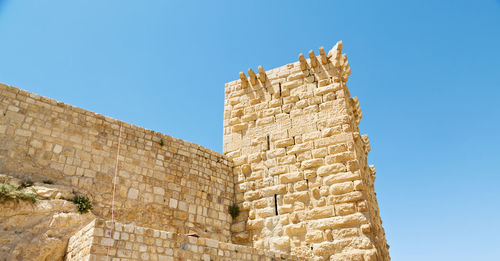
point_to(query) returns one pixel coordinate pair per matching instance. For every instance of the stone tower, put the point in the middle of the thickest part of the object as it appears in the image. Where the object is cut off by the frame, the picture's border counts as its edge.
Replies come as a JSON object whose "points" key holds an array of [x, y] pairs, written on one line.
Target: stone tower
{"points": [[302, 181]]}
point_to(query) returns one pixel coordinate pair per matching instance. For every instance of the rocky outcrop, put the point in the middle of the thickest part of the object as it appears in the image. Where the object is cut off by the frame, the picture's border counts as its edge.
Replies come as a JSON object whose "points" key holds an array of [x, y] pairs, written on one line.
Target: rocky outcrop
{"points": [[40, 230]]}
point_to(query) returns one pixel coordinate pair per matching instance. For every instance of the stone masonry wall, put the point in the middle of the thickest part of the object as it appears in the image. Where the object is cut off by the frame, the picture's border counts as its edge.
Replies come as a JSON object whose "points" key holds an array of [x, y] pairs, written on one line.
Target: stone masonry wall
{"points": [[80, 243], [301, 175], [163, 182], [131, 242]]}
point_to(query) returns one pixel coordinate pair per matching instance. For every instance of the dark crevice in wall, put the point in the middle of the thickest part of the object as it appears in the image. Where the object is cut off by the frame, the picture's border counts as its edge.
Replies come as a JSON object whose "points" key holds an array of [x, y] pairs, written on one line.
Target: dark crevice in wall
{"points": [[276, 204]]}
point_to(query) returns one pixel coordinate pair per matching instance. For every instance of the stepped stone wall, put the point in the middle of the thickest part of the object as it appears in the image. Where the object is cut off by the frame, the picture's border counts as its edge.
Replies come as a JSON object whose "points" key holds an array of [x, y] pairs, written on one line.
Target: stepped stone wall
{"points": [[178, 186], [132, 242], [301, 175]]}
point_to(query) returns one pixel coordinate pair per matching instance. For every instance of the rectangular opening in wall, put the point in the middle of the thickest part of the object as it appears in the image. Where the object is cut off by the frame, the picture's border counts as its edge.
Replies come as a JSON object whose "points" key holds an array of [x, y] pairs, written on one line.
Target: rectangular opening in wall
{"points": [[268, 142], [276, 204]]}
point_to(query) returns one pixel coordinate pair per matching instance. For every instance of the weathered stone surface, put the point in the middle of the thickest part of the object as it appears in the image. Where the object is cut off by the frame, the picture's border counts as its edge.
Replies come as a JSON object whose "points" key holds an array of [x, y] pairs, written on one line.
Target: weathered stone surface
{"points": [[39, 231], [331, 169], [306, 129], [296, 166]]}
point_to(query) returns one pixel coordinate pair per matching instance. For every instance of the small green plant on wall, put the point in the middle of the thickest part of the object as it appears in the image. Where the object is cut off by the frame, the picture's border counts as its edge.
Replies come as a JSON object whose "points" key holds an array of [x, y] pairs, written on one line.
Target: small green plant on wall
{"points": [[11, 192], [83, 203], [26, 183], [234, 210], [48, 181]]}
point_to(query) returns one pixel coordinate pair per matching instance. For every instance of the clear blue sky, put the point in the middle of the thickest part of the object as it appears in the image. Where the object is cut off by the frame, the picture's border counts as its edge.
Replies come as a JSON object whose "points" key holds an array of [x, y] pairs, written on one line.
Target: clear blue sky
{"points": [[427, 74]]}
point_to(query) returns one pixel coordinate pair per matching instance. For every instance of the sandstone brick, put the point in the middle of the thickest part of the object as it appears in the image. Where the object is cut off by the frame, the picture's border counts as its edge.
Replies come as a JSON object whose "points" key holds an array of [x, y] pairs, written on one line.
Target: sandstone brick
{"points": [[341, 188], [345, 209], [321, 212], [314, 236], [312, 163], [338, 222], [294, 229], [340, 157], [347, 197], [284, 143], [272, 190], [331, 169], [255, 224], [300, 148], [278, 170], [297, 196], [291, 177]]}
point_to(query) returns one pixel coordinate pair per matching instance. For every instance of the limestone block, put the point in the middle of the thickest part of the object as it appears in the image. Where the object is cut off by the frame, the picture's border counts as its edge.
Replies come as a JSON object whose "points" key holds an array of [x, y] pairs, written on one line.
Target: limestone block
{"points": [[341, 188], [249, 117], [311, 163], [339, 148], [297, 196], [255, 175], [309, 173], [284, 143], [265, 212], [240, 160], [347, 197], [286, 160], [280, 242], [320, 212], [331, 169], [338, 222], [278, 170], [314, 236], [340, 177], [133, 193], [234, 121], [261, 203], [300, 185], [291, 84], [255, 224], [251, 195], [295, 76], [272, 190], [340, 157], [294, 229], [291, 177], [286, 208], [345, 232], [240, 237], [335, 139], [345, 209], [239, 127], [348, 257]]}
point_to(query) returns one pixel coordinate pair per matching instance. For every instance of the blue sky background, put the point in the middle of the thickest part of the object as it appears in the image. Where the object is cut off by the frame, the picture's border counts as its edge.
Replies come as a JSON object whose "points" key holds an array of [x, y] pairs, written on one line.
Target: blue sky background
{"points": [[427, 74]]}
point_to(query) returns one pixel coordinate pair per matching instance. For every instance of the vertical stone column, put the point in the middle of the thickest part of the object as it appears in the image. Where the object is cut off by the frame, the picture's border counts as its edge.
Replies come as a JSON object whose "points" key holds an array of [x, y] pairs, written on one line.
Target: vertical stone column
{"points": [[301, 177]]}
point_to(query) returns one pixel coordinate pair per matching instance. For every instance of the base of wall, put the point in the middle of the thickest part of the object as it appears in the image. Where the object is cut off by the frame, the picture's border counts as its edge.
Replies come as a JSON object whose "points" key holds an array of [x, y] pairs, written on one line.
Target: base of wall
{"points": [[131, 242]]}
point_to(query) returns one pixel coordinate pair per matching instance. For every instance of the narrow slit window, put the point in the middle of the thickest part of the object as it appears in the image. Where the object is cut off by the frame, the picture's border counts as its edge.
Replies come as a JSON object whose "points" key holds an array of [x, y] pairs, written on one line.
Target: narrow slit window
{"points": [[268, 142], [276, 204]]}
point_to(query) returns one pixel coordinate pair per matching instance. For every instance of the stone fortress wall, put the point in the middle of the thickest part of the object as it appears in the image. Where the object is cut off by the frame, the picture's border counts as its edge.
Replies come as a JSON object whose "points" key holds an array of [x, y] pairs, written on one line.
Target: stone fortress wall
{"points": [[301, 174], [178, 186], [295, 163]]}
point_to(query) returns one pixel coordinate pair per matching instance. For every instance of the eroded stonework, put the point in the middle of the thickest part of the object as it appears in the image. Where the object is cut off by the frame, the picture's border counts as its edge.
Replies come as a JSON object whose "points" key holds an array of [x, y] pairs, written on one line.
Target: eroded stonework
{"points": [[295, 164], [301, 175]]}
